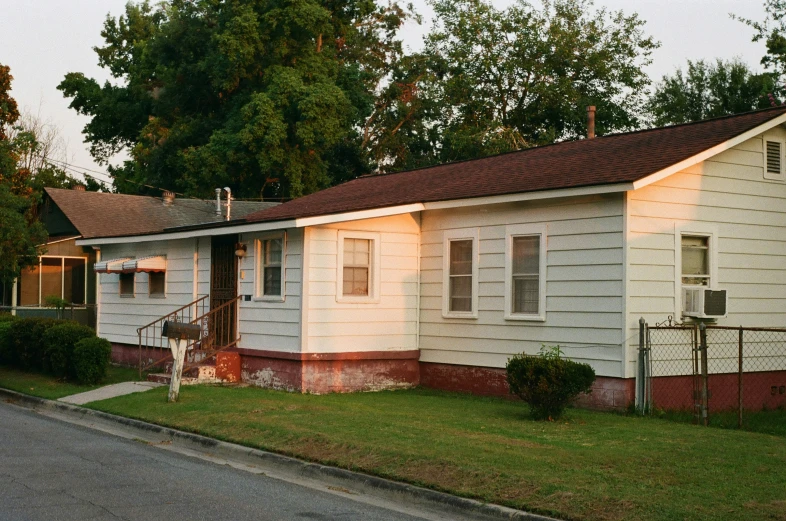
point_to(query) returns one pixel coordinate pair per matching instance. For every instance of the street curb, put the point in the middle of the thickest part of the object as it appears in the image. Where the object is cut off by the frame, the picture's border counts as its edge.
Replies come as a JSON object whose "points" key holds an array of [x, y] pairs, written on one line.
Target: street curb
{"points": [[331, 475]]}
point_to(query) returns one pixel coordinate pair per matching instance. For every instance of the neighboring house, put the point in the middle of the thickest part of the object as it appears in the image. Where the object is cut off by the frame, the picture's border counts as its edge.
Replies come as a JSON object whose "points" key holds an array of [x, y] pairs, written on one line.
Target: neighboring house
{"points": [[438, 275], [66, 271]]}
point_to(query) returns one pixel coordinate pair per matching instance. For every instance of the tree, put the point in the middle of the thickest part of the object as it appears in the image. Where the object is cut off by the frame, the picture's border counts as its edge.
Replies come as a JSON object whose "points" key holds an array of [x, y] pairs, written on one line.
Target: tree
{"points": [[20, 234], [773, 32], [709, 90], [508, 79], [264, 97]]}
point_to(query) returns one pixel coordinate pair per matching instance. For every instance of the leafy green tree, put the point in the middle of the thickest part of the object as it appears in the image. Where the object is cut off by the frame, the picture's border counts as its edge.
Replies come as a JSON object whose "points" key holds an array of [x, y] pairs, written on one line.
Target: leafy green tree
{"points": [[267, 97], [708, 90], [20, 234], [508, 79], [772, 31]]}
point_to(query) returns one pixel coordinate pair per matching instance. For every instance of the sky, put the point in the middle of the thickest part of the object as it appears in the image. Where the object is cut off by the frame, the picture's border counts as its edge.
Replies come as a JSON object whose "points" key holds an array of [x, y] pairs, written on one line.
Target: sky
{"points": [[42, 40]]}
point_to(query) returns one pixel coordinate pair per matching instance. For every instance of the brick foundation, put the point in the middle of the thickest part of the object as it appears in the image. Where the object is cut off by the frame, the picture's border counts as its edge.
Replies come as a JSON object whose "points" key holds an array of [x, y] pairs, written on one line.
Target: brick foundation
{"points": [[321, 373], [607, 393]]}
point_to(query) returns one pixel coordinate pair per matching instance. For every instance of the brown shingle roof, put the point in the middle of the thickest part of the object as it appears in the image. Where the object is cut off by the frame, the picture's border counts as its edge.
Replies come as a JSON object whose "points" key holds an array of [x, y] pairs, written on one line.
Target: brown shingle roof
{"points": [[621, 158], [97, 214]]}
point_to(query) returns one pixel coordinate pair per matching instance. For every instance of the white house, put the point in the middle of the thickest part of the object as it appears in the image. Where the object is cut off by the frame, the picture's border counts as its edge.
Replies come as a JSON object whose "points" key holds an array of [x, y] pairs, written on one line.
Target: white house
{"points": [[437, 276]]}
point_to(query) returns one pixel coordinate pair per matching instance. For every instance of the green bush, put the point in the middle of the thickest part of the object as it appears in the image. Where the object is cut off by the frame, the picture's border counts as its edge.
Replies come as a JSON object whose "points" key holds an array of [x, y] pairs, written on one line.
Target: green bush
{"points": [[91, 359], [59, 342], [548, 382], [5, 343], [27, 342], [7, 317]]}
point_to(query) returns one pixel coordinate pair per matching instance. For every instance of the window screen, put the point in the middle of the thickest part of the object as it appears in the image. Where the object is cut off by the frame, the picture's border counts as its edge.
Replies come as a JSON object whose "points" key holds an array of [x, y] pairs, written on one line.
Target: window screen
{"points": [[695, 260], [156, 283], [461, 275], [272, 256], [357, 264], [127, 284], [526, 274]]}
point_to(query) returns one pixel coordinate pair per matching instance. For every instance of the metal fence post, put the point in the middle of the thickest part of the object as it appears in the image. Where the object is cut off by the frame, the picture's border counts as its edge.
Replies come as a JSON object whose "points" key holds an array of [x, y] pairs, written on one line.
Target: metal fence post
{"points": [[739, 384], [640, 370], [704, 418]]}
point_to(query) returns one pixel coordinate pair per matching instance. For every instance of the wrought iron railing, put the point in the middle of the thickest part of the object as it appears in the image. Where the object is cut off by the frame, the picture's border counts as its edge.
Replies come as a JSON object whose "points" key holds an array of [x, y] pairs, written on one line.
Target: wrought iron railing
{"points": [[154, 348], [219, 332]]}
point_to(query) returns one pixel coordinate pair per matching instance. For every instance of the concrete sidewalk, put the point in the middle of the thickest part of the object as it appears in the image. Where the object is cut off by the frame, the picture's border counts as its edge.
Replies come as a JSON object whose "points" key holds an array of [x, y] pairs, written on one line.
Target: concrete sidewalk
{"points": [[109, 391]]}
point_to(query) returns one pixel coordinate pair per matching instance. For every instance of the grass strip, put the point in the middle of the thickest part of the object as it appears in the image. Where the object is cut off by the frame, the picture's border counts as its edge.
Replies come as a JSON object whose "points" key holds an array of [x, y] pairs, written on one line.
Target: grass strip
{"points": [[590, 466], [52, 388]]}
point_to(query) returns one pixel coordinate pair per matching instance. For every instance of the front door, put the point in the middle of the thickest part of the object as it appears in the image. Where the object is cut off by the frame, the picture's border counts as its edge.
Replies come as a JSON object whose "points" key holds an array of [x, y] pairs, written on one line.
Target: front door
{"points": [[223, 288]]}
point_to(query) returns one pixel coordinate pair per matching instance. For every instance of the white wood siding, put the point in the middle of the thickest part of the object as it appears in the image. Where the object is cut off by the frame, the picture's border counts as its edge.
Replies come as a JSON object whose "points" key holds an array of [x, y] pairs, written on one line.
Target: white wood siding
{"points": [[272, 325], [729, 194], [121, 316], [584, 285], [387, 323]]}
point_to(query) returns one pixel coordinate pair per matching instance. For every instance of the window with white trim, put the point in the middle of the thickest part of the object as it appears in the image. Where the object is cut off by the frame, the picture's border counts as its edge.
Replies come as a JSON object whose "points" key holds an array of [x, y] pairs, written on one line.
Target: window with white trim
{"points": [[358, 266], [525, 272], [270, 267], [460, 269]]}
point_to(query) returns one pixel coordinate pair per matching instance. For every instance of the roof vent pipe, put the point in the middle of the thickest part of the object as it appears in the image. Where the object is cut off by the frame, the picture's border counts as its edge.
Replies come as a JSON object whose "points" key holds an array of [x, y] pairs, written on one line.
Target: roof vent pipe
{"points": [[218, 202], [229, 202], [168, 198], [591, 122]]}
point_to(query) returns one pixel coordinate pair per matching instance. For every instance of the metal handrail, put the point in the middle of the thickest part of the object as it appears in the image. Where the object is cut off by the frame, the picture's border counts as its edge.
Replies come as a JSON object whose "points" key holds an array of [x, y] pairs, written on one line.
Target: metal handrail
{"points": [[183, 314]]}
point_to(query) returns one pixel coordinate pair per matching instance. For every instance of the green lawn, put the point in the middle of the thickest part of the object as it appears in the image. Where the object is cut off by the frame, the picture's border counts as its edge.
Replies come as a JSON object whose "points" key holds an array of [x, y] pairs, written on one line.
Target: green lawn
{"points": [[52, 388], [593, 466]]}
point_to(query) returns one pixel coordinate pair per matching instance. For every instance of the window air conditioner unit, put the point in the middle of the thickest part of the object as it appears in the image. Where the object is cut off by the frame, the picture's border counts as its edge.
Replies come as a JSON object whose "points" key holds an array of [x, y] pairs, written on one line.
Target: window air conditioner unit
{"points": [[703, 303]]}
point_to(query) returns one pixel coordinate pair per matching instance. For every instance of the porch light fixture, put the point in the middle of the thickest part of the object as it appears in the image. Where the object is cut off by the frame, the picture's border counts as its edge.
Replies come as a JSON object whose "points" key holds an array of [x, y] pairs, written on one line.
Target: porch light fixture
{"points": [[240, 250]]}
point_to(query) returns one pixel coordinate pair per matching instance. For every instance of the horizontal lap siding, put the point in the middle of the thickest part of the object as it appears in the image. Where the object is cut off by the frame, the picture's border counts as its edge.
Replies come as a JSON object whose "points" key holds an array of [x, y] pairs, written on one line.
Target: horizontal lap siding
{"points": [[387, 325], [584, 285], [265, 325], [121, 316], [730, 193]]}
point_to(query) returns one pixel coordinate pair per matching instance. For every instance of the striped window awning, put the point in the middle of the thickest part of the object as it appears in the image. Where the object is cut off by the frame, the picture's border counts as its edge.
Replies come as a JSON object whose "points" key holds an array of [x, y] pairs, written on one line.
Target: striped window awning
{"points": [[111, 266], [145, 264]]}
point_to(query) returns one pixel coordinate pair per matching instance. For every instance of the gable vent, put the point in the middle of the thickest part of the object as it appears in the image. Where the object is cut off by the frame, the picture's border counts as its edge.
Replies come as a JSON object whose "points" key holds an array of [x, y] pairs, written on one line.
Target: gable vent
{"points": [[773, 157]]}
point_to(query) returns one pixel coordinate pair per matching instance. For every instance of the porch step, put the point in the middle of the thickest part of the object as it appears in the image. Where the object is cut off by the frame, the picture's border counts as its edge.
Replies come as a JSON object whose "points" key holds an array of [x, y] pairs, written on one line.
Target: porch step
{"points": [[201, 374]]}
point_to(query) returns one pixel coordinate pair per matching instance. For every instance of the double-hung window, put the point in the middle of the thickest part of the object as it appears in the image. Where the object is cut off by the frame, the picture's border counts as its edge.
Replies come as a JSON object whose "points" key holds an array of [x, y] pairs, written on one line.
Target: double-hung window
{"points": [[525, 272], [270, 267], [696, 260], [127, 284], [460, 268], [358, 266]]}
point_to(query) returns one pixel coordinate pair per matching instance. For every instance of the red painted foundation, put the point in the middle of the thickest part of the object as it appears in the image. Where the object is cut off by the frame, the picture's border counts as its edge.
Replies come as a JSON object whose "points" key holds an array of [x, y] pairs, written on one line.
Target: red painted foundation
{"points": [[760, 390], [607, 393]]}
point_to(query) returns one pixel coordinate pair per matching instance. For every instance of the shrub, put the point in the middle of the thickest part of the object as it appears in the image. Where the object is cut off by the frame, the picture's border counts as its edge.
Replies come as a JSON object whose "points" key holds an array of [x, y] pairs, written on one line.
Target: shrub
{"points": [[548, 382], [27, 341], [7, 317], [91, 359], [59, 344], [5, 342]]}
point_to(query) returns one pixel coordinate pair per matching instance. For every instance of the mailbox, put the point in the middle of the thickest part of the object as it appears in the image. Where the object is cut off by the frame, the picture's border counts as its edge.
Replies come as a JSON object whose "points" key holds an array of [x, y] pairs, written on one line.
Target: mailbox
{"points": [[181, 330]]}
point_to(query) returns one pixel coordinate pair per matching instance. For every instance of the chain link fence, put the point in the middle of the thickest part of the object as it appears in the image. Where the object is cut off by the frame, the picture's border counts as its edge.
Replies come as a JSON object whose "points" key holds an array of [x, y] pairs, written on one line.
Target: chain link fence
{"points": [[714, 375]]}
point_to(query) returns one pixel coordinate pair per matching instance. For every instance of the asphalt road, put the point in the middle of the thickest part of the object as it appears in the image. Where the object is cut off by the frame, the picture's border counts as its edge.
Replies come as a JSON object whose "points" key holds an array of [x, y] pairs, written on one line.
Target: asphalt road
{"points": [[52, 470]]}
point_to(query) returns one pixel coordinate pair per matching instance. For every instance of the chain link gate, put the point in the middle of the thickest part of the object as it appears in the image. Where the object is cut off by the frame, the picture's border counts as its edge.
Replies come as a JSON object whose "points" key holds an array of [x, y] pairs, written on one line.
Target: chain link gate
{"points": [[718, 375]]}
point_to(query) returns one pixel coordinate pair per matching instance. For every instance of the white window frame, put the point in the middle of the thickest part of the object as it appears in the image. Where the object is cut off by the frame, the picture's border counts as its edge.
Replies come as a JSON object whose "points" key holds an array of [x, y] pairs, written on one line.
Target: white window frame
{"points": [[694, 230], [126, 295], [769, 175], [259, 268], [157, 295], [62, 277], [375, 267], [525, 230], [458, 235]]}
